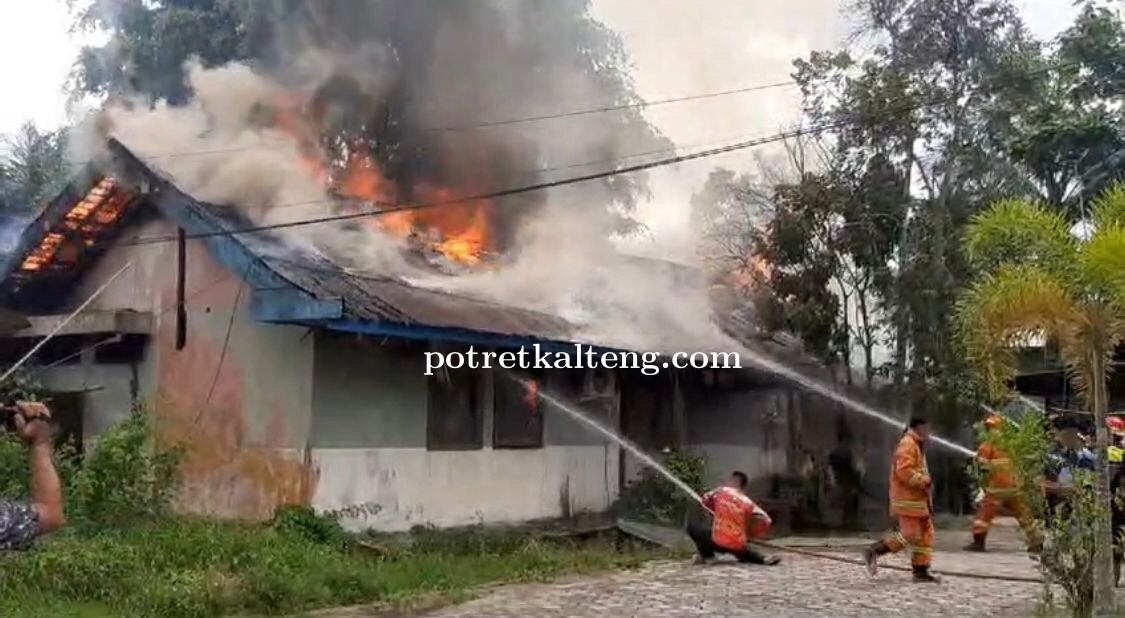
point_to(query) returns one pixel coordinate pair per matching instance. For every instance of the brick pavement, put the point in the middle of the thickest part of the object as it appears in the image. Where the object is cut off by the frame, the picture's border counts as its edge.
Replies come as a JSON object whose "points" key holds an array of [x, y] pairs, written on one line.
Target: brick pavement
{"points": [[800, 587]]}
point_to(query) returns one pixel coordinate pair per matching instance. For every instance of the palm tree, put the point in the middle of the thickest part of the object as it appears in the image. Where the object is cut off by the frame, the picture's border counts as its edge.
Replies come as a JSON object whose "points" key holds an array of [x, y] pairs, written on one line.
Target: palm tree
{"points": [[1035, 277]]}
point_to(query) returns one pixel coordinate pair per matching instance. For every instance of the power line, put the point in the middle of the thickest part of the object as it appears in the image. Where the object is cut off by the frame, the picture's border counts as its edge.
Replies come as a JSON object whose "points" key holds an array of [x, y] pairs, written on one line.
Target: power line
{"points": [[116, 338], [540, 186], [613, 108], [496, 123]]}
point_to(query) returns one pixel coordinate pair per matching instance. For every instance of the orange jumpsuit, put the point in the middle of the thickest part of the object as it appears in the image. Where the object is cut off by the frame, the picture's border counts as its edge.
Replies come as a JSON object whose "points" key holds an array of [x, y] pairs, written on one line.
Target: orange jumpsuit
{"points": [[737, 518], [1001, 495], [912, 502]]}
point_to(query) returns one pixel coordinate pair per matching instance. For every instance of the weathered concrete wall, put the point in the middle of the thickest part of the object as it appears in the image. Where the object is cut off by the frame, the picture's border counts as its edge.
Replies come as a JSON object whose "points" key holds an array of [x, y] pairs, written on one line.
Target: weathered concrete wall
{"points": [[369, 451], [746, 431], [246, 435], [107, 405]]}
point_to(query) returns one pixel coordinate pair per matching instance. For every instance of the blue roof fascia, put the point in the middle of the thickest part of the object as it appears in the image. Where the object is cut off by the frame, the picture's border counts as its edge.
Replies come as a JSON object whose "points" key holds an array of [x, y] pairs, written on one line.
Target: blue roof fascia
{"points": [[187, 213], [456, 335], [281, 306]]}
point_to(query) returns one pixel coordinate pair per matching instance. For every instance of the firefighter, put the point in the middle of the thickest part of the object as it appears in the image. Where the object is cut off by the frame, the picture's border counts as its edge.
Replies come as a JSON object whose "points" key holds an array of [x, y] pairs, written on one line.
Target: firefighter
{"points": [[1116, 456], [736, 520], [912, 503], [1001, 494]]}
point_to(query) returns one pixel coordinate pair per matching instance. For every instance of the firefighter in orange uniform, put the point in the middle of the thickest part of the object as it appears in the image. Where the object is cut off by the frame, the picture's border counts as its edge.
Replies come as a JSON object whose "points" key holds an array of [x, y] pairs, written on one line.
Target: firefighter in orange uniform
{"points": [[912, 503], [1001, 494]]}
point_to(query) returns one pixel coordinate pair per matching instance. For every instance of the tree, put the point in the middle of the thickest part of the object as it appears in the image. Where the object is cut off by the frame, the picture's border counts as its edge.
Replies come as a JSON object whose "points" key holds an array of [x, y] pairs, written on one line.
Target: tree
{"points": [[1034, 277], [399, 72], [1056, 113], [810, 244], [33, 167]]}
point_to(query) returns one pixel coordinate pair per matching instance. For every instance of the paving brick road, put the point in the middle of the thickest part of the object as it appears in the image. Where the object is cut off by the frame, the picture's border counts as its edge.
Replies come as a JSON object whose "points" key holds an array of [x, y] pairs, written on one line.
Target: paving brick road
{"points": [[800, 587]]}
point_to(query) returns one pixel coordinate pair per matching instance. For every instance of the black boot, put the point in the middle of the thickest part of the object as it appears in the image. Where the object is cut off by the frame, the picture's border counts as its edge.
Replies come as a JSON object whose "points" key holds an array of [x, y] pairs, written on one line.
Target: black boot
{"points": [[978, 543], [871, 557], [922, 575]]}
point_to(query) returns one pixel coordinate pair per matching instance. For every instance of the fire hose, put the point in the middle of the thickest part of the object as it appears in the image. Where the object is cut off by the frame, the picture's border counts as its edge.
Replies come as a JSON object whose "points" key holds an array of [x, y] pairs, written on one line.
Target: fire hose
{"points": [[841, 559]]}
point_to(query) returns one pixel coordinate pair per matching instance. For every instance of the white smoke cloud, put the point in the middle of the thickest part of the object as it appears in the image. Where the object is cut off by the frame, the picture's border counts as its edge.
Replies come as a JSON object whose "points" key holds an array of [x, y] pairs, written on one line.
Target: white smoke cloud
{"points": [[561, 260]]}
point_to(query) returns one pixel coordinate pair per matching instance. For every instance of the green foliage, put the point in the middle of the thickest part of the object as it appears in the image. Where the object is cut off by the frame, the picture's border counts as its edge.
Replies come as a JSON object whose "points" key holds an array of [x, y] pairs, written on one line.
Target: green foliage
{"points": [[1069, 547], [1017, 231], [33, 167], [199, 568], [127, 477], [304, 522], [653, 498], [124, 479], [1070, 532], [1034, 279], [128, 556]]}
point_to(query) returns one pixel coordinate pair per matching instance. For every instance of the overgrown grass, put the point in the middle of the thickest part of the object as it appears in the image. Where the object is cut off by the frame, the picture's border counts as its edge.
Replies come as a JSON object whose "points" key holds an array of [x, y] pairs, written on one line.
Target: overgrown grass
{"points": [[126, 555], [197, 568]]}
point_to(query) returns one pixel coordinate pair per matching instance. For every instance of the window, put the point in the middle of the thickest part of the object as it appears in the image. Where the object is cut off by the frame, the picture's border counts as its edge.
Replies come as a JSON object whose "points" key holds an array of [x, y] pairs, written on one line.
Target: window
{"points": [[453, 420], [517, 420], [646, 410]]}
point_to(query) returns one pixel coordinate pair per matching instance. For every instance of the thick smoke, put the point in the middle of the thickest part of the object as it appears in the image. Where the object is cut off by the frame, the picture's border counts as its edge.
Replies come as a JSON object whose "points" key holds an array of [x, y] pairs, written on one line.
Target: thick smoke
{"points": [[410, 84]]}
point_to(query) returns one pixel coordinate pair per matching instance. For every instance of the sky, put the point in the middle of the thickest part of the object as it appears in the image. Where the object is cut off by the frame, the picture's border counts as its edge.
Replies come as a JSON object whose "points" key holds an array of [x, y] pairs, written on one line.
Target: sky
{"points": [[678, 47]]}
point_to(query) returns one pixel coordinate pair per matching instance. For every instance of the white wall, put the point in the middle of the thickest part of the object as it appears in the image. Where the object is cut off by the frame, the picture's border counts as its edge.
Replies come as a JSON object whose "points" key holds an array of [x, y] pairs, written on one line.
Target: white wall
{"points": [[413, 486], [369, 450]]}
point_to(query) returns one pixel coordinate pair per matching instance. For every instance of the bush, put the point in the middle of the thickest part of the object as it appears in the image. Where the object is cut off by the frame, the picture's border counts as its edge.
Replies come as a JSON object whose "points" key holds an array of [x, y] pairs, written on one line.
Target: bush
{"points": [[1067, 559], [126, 478], [653, 498], [128, 556], [304, 523]]}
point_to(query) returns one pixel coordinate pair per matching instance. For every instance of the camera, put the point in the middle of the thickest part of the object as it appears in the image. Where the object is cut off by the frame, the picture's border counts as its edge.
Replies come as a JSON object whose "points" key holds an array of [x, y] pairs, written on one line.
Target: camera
{"points": [[30, 410]]}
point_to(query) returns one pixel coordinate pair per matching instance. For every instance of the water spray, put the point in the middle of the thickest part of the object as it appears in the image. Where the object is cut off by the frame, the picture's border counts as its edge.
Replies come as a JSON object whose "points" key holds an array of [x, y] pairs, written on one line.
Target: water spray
{"points": [[577, 415], [825, 391]]}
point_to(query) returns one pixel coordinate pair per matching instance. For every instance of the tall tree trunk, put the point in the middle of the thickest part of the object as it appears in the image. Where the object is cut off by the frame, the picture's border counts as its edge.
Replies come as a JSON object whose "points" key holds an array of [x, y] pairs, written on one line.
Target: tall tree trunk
{"points": [[867, 339], [1103, 535]]}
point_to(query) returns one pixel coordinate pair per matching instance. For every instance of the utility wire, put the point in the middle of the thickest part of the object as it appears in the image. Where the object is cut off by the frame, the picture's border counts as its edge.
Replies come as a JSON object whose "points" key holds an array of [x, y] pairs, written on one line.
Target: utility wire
{"points": [[612, 108], [484, 196], [115, 338], [663, 162], [496, 123]]}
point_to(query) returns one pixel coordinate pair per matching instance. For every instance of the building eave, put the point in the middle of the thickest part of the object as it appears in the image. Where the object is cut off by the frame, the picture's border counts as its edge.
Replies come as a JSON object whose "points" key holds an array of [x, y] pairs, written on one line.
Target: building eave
{"points": [[421, 332]]}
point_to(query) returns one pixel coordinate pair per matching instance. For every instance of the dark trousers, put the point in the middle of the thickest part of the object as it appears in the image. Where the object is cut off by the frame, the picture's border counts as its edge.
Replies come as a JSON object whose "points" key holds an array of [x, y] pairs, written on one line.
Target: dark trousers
{"points": [[1118, 544], [700, 533]]}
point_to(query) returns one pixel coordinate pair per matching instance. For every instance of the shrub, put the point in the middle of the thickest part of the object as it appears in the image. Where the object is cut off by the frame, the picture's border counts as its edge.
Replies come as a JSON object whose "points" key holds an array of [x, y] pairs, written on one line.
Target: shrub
{"points": [[1067, 559], [304, 523], [126, 478], [653, 498]]}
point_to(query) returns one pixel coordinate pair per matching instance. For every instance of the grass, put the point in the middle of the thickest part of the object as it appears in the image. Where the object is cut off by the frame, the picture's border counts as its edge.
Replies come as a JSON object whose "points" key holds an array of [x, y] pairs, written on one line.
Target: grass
{"points": [[198, 568]]}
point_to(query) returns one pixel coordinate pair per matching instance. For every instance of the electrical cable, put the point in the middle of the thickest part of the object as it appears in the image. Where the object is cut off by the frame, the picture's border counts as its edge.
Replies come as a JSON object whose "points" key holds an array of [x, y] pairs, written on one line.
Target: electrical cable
{"points": [[663, 162], [500, 123], [114, 338]]}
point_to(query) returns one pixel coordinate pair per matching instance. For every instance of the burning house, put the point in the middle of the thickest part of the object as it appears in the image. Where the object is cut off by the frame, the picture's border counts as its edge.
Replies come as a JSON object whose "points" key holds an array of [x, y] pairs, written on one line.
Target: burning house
{"points": [[293, 380]]}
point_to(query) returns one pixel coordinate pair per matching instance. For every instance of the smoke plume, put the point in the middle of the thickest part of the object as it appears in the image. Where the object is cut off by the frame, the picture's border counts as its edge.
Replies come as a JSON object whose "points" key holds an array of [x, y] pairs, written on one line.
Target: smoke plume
{"points": [[396, 101]]}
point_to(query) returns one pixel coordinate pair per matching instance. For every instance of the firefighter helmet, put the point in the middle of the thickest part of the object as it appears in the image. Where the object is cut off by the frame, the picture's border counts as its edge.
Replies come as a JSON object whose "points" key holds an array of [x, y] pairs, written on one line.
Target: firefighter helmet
{"points": [[1116, 425]]}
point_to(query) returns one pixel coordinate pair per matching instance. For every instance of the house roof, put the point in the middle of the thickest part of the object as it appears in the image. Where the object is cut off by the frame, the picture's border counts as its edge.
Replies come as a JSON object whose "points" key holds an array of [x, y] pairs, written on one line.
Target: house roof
{"points": [[290, 284]]}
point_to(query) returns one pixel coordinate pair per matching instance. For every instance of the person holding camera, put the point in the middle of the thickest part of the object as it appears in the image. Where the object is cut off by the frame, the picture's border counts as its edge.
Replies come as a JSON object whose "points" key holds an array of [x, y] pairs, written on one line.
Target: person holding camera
{"points": [[23, 522]]}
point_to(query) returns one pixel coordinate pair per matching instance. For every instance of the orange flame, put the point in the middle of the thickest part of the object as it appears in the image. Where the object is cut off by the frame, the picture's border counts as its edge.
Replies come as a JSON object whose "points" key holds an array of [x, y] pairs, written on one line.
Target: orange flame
{"points": [[80, 227], [460, 232]]}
